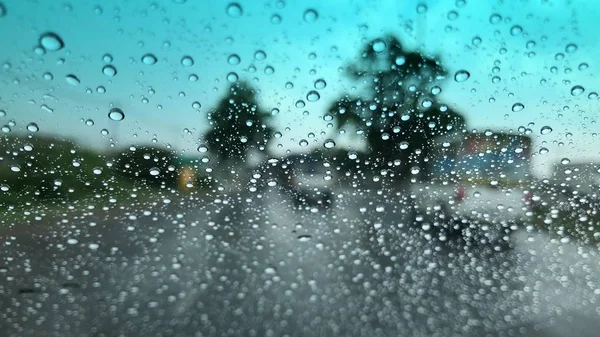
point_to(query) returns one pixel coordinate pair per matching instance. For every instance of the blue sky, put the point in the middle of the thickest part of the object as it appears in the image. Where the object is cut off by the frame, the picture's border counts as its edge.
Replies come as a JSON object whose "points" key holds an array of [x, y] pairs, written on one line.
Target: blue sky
{"points": [[202, 29]]}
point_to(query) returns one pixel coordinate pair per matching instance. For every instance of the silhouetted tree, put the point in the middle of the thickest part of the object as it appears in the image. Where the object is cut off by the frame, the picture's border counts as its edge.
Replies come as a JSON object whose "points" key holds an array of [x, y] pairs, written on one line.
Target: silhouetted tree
{"points": [[237, 124], [398, 113]]}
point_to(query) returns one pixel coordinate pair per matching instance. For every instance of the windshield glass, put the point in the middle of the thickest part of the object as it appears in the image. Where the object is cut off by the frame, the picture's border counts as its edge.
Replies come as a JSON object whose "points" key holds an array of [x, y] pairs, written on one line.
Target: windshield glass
{"points": [[299, 168]]}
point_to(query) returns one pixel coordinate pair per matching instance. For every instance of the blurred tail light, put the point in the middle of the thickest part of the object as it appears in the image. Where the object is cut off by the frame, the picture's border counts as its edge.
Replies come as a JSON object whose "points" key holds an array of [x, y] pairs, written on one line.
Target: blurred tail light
{"points": [[460, 193], [528, 196]]}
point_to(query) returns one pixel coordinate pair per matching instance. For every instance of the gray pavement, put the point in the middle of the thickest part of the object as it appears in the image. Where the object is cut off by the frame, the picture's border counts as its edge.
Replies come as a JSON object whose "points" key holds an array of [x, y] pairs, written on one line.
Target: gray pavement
{"points": [[250, 264]]}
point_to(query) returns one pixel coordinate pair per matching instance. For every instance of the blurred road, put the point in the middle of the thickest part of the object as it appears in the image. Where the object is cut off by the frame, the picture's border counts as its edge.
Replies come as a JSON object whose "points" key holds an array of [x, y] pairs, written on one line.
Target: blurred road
{"points": [[250, 264]]}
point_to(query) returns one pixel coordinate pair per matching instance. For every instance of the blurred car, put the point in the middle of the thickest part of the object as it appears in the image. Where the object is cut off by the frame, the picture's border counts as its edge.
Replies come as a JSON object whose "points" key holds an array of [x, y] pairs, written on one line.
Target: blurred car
{"points": [[309, 181]]}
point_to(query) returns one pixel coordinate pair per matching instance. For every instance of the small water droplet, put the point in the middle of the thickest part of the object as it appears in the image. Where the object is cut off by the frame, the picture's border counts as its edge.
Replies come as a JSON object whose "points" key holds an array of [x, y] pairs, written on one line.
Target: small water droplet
{"points": [[517, 107], [275, 19], [269, 70], [495, 18], [109, 70], [329, 144], [545, 130], [232, 77], [421, 8], [202, 148], [313, 96], [149, 59], [593, 95], [320, 84], [97, 170], [196, 105], [379, 45], [233, 59], [15, 168], [303, 142], [72, 79], [543, 150], [234, 10], [571, 48], [461, 76], [310, 15], [577, 90], [516, 30], [260, 55], [476, 41], [116, 114], [32, 127], [187, 61], [436, 90], [300, 104], [304, 238], [583, 66], [89, 122], [48, 76], [51, 41], [565, 161]]}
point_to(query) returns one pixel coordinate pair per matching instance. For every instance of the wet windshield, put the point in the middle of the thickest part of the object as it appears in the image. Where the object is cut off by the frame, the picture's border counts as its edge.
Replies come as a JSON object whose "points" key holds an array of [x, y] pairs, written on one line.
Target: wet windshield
{"points": [[287, 168]]}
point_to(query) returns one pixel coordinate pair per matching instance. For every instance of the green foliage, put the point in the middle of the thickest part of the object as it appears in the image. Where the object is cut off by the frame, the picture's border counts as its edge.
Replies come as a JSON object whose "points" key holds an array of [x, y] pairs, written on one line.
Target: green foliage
{"points": [[237, 124], [399, 103]]}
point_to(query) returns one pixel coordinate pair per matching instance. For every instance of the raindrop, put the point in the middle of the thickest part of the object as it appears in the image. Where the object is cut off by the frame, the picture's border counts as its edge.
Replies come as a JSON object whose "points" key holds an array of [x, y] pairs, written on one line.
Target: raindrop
{"points": [[452, 15], [403, 145], [187, 61], [97, 170], [32, 127], [300, 104], [275, 19], [107, 58], [461, 76], [93, 246], [311, 15], [72, 79], [329, 144], [436, 90], [154, 171], [545, 130], [565, 161], [89, 122], [289, 85], [379, 45], [516, 30], [352, 155], [543, 150], [304, 238], [234, 10], [109, 70], [2, 113], [232, 77], [202, 148], [269, 70], [476, 41], [15, 168], [593, 95], [517, 107], [320, 84], [313, 96], [72, 241], [571, 48], [577, 90], [149, 59], [51, 41], [48, 76], [495, 18], [233, 59], [196, 105], [583, 66], [421, 8], [100, 89], [260, 55], [303, 142], [193, 78], [116, 114], [277, 134]]}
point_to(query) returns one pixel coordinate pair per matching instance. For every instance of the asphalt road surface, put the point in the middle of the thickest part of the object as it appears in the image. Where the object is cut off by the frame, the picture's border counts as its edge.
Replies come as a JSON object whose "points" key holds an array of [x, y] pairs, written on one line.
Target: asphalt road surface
{"points": [[250, 264]]}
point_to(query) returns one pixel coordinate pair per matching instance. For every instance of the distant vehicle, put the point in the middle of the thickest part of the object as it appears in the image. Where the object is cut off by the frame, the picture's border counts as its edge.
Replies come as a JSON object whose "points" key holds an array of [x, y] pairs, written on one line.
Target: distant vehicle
{"points": [[476, 185], [582, 179], [309, 181]]}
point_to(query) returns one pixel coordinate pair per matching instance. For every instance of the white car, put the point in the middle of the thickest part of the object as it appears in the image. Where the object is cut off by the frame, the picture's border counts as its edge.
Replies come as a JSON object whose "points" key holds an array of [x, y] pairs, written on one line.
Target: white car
{"points": [[477, 186]]}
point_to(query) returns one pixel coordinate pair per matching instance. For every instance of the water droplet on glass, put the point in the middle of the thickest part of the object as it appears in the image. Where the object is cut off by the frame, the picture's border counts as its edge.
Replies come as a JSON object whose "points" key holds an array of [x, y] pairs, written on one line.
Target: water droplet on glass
{"points": [[275, 19], [495, 18], [313, 96], [421, 8], [303, 142], [202, 148], [193, 78], [476, 41], [15, 168], [32, 127], [89, 122], [461, 76], [436, 90], [304, 238], [51, 41], [583, 66], [543, 150], [234, 10], [565, 161], [452, 15], [107, 58], [403, 145], [320, 84], [310, 15], [196, 105], [154, 171], [517, 107], [109, 70], [187, 61], [379, 45], [232, 77], [269, 70], [116, 114], [329, 144], [300, 104], [72, 79], [571, 48], [233, 59], [593, 95], [545, 130], [577, 90], [516, 30], [260, 55], [149, 59], [97, 170]]}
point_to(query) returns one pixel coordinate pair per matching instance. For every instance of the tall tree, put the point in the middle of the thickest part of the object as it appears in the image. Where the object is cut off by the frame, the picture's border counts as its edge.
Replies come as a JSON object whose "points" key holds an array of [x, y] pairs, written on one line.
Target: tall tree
{"points": [[398, 111], [237, 124]]}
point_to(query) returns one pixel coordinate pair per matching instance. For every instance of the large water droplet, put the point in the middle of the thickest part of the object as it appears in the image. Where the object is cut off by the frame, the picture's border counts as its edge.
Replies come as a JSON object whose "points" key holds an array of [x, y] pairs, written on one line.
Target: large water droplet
{"points": [[543, 150], [109, 70], [234, 10], [51, 41], [517, 107], [571, 48], [577, 90], [304, 238], [116, 114], [260, 55], [329, 144], [379, 45], [32, 127], [516, 30], [565, 161], [233, 59], [202, 148], [495, 18], [154, 171], [421, 8], [545, 130], [149, 59], [232, 77], [187, 61], [461, 76], [310, 15], [313, 96], [72, 79], [303, 142], [320, 84]]}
